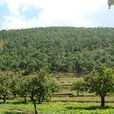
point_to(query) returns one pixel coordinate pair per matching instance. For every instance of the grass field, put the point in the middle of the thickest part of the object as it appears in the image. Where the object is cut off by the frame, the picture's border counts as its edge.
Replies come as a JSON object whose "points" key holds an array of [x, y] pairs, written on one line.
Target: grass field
{"points": [[60, 108], [65, 101]]}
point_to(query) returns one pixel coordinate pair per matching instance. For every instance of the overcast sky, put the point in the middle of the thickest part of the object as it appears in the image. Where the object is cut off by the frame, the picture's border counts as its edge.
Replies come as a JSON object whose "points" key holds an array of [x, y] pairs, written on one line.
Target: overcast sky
{"points": [[16, 14]]}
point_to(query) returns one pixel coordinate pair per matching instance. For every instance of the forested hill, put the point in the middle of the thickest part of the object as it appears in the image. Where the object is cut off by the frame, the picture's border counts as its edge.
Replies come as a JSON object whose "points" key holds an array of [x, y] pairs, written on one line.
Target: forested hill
{"points": [[60, 49]]}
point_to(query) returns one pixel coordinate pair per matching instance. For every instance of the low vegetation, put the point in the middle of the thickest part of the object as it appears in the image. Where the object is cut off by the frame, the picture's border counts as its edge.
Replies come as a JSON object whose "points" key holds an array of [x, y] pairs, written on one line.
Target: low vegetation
{"points": [[38, 87], [60, 108], [59, 49], [100, 82], [35, 65]]}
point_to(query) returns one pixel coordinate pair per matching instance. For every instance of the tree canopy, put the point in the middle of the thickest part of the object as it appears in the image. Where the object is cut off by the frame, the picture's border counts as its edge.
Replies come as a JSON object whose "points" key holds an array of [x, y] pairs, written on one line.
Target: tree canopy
{"points": [[100, 82], [110, 3], [58, 49], [39, 87]]}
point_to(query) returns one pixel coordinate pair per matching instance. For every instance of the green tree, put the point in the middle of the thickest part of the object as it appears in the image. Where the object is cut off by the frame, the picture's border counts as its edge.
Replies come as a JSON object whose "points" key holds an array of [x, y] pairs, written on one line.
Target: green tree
{"points": [[39, 87], [78, 87], [23, 88], [14, 84], [100, 82], [60, 49], [5, 81], [110, 3]]}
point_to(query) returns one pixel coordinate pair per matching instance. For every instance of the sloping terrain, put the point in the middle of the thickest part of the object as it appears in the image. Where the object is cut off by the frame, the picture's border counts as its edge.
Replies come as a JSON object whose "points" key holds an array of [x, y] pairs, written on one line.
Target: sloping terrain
{"points": [[59, 49]]}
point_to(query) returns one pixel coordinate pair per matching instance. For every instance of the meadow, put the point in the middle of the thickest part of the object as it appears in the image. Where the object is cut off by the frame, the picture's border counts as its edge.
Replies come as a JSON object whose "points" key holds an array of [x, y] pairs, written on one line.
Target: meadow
{"points": [[59, 108], [65, 101]]}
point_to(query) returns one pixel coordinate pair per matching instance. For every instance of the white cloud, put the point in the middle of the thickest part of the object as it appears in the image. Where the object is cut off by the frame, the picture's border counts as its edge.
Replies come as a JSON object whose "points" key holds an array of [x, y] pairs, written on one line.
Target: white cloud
{"points": [[54, 12]]}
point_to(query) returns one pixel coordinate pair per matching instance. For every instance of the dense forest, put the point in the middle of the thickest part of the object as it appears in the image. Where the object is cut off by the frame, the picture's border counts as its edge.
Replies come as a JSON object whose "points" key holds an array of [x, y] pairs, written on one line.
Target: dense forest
{"points": [[58, 49]]}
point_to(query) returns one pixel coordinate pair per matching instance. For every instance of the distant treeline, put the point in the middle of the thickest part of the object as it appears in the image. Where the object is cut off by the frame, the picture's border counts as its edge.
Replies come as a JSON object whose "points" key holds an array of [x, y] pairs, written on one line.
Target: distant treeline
{"points": [[59, 49]]}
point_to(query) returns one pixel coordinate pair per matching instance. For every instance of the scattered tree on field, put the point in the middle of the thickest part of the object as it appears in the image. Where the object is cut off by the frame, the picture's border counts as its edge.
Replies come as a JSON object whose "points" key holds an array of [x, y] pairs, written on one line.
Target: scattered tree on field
{"points": [[14, 85], [39, 87], [100, 82], [5, 82], [23, 88]]}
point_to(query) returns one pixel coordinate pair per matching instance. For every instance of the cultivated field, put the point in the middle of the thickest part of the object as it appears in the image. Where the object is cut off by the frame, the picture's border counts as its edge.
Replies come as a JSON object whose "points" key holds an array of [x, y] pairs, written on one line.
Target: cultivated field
{"points": [[65, 101]]}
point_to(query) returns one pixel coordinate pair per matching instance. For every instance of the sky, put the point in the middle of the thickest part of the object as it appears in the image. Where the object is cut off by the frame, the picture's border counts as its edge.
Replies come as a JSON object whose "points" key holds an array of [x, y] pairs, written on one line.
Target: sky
{"points": [[17, 14]]}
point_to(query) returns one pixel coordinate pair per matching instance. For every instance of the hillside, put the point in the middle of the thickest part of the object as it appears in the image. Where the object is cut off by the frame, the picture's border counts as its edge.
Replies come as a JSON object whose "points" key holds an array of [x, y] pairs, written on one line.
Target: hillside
{"points": [[59, 49]]}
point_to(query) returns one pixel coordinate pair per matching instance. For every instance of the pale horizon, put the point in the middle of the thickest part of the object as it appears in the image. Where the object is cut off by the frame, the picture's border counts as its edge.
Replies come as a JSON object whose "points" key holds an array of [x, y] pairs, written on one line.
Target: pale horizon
{"points": [[22, 14]]}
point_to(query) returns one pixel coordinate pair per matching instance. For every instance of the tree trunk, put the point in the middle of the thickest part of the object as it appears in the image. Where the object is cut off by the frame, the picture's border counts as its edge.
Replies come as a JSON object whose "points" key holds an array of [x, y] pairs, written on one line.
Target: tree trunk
{"points": [[14, 96], [102, 101], [39, 100], [25, 100], [43, 99], [34, 103], [4, 99], [77, 93]]}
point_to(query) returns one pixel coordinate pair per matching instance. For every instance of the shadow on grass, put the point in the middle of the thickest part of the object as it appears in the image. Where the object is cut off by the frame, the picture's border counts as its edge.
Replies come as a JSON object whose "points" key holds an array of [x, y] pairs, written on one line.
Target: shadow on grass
{"points": [[13, 113], [19, 102], [88, 108], [16, 102]]}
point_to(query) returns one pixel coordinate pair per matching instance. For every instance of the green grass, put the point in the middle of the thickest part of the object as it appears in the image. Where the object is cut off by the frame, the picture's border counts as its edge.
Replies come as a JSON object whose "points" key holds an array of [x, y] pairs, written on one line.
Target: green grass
{"points": [[60, 108], [69, 108], [87, 104]]}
